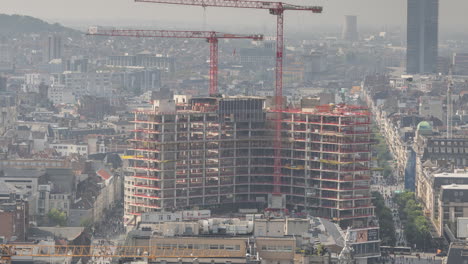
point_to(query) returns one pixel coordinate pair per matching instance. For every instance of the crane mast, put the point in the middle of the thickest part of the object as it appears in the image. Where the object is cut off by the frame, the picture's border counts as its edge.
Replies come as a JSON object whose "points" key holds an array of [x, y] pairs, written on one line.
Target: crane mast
{"points": [[277, 9], [211, 37]]}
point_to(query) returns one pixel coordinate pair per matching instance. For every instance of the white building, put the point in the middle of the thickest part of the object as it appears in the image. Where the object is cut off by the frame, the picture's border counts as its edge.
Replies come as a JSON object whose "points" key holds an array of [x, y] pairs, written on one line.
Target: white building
{"points": [[66, 149], [60, 94], [430, 106], [75, 82], [47, 201], [33, 80], [110, 192], [96, 83]]}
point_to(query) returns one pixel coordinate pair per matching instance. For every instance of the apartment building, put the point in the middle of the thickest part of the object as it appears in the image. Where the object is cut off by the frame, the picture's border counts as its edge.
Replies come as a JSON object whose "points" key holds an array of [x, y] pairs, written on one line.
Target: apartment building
{"points": [[429, 188], [453, 204], [98, 83], [143, 59], [14, 219], [8, 112], [436, 147], [215, 151], [59, 94], [67, 149]]}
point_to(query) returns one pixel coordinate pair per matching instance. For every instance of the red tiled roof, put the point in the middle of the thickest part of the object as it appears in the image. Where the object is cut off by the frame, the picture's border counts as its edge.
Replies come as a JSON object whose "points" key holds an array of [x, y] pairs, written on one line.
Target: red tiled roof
{"points": [[104, 174]]}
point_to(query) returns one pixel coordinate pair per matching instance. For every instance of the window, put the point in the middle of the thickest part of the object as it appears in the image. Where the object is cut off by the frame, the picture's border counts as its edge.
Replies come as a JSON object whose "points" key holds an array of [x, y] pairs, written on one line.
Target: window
{"points": [[229, 247]]}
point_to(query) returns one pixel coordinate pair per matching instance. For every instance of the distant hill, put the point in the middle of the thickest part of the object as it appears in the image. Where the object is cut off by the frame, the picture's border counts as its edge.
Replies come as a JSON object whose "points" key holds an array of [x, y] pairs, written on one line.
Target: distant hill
{"points": [[14, 24]]}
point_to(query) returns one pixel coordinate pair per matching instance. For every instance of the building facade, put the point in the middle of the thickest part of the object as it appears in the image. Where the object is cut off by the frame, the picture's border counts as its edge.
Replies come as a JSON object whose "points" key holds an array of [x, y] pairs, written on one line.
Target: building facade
{"points": [[220, 151], [429, 189], [53, 48], [453, 204], [422, 36]]}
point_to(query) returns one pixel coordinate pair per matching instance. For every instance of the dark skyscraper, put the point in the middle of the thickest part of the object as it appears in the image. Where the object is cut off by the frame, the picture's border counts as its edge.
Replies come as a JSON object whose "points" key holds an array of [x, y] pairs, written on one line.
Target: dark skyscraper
{"points": [[422, 33], [53, 48]]}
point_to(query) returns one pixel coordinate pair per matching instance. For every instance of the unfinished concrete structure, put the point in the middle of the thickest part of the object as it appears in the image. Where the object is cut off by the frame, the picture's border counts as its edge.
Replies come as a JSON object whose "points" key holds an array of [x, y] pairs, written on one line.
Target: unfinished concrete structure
{"points": [[213, 151]]}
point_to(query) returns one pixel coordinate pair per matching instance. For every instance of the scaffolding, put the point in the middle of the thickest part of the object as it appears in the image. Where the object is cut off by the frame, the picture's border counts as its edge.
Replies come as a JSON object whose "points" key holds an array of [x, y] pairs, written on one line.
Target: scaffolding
{"points": [[221, 151]]}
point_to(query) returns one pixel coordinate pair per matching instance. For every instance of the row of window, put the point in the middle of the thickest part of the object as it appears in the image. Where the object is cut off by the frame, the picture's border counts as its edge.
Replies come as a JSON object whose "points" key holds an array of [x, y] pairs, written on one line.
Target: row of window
{"points": [[447, 150], [450, 143], [279, 248], [199, 246], [66, 147]]}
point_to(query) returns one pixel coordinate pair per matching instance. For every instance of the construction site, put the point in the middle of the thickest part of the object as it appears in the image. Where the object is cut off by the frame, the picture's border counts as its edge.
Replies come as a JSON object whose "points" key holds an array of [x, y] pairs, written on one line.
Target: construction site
{"points": [[219, 151]]}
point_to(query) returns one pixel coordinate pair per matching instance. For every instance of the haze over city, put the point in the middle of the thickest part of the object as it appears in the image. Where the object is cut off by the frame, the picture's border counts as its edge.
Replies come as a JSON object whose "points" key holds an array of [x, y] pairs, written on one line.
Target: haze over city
{"points": [[371, 13], [233, 132]]}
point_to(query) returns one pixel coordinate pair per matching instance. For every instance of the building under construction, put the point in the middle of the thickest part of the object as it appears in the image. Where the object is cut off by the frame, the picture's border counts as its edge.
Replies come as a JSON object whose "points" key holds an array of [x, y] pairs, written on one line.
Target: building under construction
{"points": [[220, 151]]}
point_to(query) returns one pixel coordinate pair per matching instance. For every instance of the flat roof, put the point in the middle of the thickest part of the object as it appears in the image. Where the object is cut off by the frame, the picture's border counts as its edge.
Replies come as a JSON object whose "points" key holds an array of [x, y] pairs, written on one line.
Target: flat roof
{"points": [[22, 173], [454, 175], [455, 187]]}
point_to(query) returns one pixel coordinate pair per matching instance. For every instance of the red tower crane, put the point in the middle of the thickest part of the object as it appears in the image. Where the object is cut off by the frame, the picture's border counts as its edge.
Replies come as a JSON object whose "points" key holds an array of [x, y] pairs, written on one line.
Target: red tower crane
{"points": [[275, 8], [211, 37]]}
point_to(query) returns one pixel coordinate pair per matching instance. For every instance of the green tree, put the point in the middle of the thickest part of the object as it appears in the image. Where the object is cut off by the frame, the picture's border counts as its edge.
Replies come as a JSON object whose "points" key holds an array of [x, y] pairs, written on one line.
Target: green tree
{"points": [[57, 217], [417, 227], [384, 214], [87, 222]]}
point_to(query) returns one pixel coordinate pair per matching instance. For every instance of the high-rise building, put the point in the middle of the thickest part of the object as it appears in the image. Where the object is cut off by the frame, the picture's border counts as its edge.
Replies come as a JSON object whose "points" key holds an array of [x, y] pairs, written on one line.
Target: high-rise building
{"points": [[53, 48], [214, 151], [422, 34], [350, 31], [460, 63], [3, 83]]}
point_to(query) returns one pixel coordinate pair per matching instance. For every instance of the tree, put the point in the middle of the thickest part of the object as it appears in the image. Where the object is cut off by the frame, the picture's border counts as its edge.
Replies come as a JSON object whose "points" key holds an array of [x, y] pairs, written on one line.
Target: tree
{"points": [[87, 222], [57, 217], [384, 214], [417, 228]]}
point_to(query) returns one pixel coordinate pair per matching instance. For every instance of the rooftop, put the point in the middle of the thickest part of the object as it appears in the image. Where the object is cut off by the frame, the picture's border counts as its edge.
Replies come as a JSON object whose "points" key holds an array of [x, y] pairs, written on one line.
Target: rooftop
{"points": [[451, 175], [458, 252], [455, 187], [424, 125], [22, 173], [104, 174]]}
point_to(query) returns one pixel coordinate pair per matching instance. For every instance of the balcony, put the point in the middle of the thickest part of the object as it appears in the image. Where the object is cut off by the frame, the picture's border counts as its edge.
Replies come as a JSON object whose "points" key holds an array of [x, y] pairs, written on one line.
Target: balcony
{"points": [[146, 149], [144, 186], [145, 205], [147, 195], [146, 177], [145, 168]]}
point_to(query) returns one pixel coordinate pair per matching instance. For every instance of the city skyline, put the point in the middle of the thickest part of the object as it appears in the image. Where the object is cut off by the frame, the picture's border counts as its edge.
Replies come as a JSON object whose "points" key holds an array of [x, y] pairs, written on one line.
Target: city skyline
{"points": [[131, 131], [378, 13]]}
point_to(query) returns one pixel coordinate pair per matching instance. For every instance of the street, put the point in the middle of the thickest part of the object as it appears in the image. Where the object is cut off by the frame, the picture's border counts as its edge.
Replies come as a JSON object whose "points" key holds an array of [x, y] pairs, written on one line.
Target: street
{"points": [[388, 190]]}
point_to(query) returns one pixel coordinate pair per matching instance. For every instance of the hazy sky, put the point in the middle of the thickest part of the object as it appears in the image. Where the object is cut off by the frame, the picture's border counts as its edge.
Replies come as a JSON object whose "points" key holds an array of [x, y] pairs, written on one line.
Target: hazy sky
{"points": [[379, 13]]}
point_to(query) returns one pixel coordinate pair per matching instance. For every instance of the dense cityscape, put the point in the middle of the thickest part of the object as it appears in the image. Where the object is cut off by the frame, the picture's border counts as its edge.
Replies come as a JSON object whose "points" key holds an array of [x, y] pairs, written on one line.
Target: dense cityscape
{"points": [[141, 145]]}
